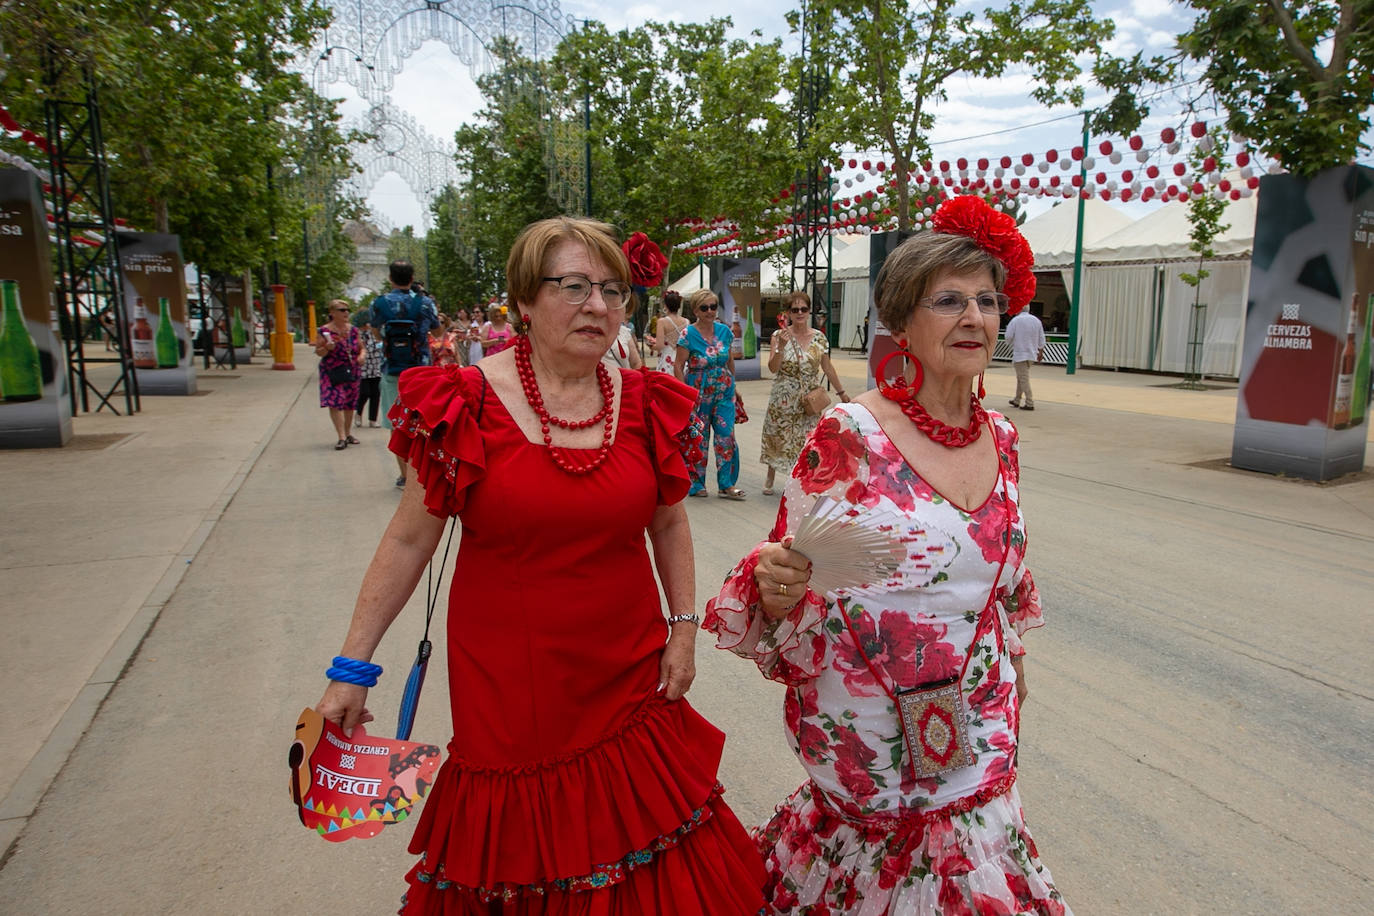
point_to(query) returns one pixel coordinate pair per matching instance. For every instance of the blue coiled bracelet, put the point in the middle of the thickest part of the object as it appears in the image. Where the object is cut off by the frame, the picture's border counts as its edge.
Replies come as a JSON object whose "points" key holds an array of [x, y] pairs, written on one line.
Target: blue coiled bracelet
{"points": [[353, 671]]}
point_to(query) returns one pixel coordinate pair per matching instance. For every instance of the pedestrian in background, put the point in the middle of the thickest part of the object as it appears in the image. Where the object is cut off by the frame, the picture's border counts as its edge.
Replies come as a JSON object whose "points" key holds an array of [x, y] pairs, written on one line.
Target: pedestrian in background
{"points": [[703, 361], [402, 318], [339, 347], [1026, 335], [669, 329], [370, 385], [798, 355], [623, 352], [497, 333]]}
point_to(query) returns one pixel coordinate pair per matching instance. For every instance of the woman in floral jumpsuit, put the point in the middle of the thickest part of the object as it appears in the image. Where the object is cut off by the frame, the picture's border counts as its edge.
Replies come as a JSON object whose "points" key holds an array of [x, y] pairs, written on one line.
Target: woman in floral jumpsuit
{"points": [[704, 362]]}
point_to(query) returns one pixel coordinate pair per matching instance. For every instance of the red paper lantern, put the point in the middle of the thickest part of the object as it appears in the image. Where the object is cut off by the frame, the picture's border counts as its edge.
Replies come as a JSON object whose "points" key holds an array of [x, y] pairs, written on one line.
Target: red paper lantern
{"points": [[1051, 155], [1076, 180], [1135, 143], [1100, 177], [1167, 135], [1224, 185], [944, 165], [1252, 182], [1209, 164], [1235, 193], [1105, 147], [1152, 171], [1005, 162], [868, 165], [1198, 129], [882, 166], [1106, 195], [1242, 159], [1035, 182], [1127, 176], [853, 163], [1125, 194], [1179, 169], [1054, 181], [1015, 184], [961, 163], [1198, 188], [1027, 159], [1076, 154]]}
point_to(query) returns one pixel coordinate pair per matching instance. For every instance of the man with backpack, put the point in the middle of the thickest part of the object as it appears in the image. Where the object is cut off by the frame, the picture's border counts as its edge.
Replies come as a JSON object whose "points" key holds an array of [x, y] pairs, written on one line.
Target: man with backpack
{"points": [[402, 319]]}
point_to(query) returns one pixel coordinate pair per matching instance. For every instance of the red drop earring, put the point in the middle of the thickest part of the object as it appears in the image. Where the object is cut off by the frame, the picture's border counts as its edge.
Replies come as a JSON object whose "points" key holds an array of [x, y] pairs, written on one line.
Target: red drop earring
{"points": [[904, 391], [982, 392]]}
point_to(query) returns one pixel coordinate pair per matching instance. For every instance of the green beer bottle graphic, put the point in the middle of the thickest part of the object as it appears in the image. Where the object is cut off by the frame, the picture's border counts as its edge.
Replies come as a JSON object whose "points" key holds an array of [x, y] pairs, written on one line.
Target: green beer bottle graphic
{"points": [[751, 340], [1359, 403], [237, 335], [168, 354], [21, 377]]}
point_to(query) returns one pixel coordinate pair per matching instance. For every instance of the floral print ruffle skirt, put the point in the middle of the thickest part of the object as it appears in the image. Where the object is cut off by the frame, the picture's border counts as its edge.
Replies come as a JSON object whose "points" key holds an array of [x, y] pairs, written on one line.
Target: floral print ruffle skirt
{"points": [[979, 863]]}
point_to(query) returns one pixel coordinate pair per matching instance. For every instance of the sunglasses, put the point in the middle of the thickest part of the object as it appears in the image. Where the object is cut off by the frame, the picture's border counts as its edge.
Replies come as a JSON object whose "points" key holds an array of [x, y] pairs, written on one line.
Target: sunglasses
{"points": [[707, 308], [800, 311]]}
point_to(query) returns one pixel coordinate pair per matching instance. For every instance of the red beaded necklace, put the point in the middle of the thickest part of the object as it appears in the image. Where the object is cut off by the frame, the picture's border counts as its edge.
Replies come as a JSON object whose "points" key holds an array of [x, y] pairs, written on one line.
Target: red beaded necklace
{"points": [[567, 459], [943, 433]]}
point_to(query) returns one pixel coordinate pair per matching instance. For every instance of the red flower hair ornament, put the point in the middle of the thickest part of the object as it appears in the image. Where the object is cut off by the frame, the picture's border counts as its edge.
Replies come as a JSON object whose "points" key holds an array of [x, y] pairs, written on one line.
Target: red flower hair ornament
{"points": [[995, 232]]}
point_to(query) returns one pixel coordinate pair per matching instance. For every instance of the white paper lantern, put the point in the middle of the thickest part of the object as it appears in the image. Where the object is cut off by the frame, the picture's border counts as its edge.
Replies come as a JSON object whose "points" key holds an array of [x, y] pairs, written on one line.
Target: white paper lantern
{"points": [[1089, 163], [1043, 165], [1174, 147], [1115, 157], [1142, 155], [1019, 169]]}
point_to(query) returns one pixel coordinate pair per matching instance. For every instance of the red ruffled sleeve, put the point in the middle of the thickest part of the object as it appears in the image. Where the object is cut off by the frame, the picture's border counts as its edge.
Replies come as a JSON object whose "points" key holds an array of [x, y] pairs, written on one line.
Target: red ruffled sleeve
{"points": [[435, 430], [668, 412], [790, 650]]}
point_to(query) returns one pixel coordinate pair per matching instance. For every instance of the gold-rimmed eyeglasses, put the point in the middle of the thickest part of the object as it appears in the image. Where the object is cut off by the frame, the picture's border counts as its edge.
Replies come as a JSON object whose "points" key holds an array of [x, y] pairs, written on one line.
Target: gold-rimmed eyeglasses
{"points": [[577, 289]]}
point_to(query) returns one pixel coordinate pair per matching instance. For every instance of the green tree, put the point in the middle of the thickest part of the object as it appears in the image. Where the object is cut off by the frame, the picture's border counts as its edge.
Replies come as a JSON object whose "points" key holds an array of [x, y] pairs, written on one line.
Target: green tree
{"points": [[889, 62], [684, 124], [1297, 78]]}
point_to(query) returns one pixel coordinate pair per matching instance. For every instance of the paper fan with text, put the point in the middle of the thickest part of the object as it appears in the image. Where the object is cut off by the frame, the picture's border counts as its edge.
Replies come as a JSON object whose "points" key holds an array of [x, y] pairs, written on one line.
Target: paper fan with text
{"points": [[868, 551]]}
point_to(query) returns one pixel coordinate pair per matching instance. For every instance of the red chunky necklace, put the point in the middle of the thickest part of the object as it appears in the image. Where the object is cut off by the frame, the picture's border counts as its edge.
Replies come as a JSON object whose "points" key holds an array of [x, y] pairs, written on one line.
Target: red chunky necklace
{"points": [[567, 459], [943, 433]]}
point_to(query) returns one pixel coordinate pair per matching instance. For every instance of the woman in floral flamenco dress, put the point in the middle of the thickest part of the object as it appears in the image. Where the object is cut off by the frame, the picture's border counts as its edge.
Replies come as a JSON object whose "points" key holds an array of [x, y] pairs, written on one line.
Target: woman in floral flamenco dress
{"points": [[905, 692], [579, 781]]}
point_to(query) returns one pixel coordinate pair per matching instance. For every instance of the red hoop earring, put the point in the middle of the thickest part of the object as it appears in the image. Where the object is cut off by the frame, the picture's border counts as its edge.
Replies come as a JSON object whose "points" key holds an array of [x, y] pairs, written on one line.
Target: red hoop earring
{"points": [[902, 392], [982, 392]]}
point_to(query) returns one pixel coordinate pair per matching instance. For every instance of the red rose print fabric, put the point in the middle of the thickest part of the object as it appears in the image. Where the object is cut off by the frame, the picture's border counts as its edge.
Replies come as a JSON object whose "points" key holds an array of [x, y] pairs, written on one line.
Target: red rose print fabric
{"points": [[864, 835]]}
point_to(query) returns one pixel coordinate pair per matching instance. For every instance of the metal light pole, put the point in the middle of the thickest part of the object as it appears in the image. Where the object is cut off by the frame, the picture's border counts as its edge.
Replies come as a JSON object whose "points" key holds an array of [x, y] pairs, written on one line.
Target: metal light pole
{"points": [[1078, 255]]}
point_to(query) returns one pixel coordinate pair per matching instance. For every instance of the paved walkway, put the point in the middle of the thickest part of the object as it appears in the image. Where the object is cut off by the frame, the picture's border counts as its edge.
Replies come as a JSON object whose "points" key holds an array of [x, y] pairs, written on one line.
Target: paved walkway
{"points": [[192, 568]]}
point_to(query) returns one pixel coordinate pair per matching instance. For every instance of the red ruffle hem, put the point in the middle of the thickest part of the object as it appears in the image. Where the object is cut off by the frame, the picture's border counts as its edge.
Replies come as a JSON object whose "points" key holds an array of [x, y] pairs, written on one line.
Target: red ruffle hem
{"points": [[630, 826]]}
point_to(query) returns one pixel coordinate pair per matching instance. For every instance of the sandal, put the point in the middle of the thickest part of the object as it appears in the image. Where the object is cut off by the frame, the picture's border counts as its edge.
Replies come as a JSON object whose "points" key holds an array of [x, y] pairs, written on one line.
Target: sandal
{"points": [[734, 493], [699, 493], [340, 445], [767, 491], [351, 441]]}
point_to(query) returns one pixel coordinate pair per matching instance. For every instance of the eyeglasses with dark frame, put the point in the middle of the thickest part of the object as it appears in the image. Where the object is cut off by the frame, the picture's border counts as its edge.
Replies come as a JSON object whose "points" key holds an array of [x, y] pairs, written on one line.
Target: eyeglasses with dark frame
{"points": [[577, 289], [708, 308], [800, 311], [950, 303]]}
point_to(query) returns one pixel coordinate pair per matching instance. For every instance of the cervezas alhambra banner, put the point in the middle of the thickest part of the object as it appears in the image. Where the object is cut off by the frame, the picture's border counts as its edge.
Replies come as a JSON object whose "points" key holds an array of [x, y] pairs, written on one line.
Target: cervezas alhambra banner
{"points": [[155, 296], [35, 408]]}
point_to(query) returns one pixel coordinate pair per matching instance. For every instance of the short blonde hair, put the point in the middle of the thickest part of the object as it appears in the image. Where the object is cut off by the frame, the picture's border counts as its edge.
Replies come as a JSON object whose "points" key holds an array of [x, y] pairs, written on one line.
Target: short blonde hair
{"points": [[908, 271], [698, 298], [526, 266]]}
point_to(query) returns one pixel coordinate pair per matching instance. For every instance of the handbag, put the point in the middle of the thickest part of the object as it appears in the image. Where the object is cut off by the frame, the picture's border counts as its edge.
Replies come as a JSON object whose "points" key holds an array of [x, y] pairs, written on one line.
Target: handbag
{"points": [[341, 374], [815, 401], [741, 416]]}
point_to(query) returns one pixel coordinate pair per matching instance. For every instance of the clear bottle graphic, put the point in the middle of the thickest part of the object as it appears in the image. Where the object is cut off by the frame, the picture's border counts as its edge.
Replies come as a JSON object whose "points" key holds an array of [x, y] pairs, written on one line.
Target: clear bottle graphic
{"points": [[21, 374], [1359, 397], [751, 340], [141, 339], [1345, 377], [168, 353]]}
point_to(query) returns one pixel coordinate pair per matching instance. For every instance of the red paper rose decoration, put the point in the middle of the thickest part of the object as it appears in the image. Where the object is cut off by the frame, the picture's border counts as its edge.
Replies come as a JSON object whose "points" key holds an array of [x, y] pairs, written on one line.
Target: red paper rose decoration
{"points": [[996, 233], [647, 262]]}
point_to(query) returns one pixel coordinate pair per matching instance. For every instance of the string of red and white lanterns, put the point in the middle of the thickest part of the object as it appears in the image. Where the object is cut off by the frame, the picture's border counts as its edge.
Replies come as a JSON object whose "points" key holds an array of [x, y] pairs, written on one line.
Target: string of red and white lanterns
{"points": [[1130, 171]]}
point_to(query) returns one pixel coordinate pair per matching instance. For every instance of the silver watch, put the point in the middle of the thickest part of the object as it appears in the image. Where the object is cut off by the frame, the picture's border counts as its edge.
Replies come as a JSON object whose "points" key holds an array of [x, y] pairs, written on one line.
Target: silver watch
{"points": [[684, 618]]}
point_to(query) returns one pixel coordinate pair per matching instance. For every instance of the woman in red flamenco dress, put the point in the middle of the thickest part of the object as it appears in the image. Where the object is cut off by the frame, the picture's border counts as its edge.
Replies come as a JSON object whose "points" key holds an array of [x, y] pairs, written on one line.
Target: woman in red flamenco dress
{"points": [[579, 781]]}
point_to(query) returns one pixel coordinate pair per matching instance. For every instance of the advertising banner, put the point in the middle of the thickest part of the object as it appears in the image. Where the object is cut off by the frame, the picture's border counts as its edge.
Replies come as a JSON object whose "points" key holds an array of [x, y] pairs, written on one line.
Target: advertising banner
{"points": [[736, 282], [155, 295], [35, 407], [880, 342], [1304, 382], [238, 292]]}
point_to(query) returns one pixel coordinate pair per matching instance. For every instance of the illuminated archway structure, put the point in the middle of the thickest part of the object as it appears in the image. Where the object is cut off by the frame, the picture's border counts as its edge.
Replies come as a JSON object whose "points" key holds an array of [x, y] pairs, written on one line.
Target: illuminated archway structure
{"points": [[368, 43]]}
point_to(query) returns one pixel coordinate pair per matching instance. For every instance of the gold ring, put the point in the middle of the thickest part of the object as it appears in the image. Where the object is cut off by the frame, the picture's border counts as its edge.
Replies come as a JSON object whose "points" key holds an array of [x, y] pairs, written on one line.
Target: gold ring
{"points": [[782, 589]]}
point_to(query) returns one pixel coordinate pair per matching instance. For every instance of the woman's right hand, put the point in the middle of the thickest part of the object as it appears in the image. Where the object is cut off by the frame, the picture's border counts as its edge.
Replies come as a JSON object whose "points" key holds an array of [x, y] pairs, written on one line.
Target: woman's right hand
{"points": [[782, 575], [344, 705]]}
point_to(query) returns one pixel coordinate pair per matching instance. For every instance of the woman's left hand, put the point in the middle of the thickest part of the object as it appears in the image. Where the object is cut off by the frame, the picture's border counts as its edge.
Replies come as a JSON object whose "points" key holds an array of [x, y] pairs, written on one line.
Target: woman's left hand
{"points": [[678, 667], [1018, 663]]}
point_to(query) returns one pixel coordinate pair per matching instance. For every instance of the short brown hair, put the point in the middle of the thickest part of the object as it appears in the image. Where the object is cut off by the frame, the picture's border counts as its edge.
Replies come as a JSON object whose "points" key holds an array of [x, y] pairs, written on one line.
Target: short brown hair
{"points": [[907, 272], [795, 295], [526, 265]]}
